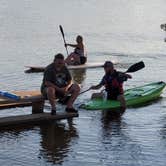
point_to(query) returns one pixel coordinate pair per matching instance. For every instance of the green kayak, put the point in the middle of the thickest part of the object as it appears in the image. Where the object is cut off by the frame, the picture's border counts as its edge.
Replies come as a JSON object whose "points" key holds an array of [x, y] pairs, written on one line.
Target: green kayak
{"points": [[134, 97]]}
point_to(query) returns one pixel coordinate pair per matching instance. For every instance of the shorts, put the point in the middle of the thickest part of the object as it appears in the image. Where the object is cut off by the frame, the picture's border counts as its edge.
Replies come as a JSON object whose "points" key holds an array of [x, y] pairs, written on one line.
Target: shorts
{"points": [[59, 95], [83, 60], [113, 96]]}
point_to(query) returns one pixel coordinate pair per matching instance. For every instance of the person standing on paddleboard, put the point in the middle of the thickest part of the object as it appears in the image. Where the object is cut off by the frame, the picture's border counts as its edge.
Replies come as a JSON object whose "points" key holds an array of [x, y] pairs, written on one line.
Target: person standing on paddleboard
{"points": [[113, 82], [78, 56], [57, 84]]}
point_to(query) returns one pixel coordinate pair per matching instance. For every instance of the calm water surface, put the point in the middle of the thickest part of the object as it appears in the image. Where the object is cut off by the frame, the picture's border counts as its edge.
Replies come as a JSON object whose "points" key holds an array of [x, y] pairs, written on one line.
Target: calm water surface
{"points": [[125, 31]]}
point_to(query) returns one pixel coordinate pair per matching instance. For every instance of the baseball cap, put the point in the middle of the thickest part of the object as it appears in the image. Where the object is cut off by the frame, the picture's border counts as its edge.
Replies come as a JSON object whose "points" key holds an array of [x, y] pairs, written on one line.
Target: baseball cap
{"points": [[108, 64]]}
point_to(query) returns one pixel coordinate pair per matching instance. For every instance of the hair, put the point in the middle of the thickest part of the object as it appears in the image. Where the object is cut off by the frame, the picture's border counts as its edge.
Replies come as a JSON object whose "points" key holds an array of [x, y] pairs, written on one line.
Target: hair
{"points": [[58, 56], [80, 37]]}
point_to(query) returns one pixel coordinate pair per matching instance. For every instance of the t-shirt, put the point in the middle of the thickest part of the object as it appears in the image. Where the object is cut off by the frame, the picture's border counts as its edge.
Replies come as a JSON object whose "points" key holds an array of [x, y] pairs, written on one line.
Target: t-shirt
{"points": [[59, 78]]}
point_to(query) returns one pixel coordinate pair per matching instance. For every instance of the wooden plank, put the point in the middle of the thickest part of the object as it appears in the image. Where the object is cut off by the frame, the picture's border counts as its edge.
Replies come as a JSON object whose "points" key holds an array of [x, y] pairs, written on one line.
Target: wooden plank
{"points": [[24, 94], [34, 118], [27, 97], [14, 105]]}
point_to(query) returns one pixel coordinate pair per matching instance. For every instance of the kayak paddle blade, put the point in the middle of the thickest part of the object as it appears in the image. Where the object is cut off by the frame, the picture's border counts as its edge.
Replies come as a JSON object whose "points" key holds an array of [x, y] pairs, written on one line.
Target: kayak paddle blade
{"points": [[63, 35], [137, 66], [61, 29]]}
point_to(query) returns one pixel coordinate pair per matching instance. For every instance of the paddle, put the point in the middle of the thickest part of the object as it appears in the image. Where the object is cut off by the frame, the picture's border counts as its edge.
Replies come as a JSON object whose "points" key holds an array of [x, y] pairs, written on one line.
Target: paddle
{"points": [[66, 98], [63, 35], [84, 91], [9, 95], [133, 68]]}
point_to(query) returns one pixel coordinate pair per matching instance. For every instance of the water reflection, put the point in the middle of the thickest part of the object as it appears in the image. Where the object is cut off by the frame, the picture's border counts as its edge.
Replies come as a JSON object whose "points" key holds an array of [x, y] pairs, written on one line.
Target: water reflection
{"points": [[56, 141], [110, 115], [163, 131], [54, 138], [116, 138], [79, 75], [15, 132], [111, 123]]}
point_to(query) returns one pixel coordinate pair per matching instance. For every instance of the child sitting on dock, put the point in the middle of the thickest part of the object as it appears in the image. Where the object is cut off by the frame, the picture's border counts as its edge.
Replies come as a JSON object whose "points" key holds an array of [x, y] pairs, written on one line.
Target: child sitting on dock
{"points": [[78, 56], [57, 83], [113, 82]]}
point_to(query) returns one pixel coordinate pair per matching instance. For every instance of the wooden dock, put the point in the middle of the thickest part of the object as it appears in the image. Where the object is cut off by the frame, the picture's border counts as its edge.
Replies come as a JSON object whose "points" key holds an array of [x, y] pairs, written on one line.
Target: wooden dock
{"points": [[34, 99], [34, 119]]}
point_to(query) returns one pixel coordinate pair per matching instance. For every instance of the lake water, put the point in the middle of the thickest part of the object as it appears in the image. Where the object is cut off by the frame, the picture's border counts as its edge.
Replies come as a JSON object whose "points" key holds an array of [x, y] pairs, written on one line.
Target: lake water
{"points": [[125, 31]]}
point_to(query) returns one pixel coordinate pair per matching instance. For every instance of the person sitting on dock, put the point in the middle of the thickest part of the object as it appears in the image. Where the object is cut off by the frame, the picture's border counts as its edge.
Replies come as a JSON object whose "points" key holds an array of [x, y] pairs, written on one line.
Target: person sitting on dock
{"points": [[57, 84], [113, 82], [78, 56]]}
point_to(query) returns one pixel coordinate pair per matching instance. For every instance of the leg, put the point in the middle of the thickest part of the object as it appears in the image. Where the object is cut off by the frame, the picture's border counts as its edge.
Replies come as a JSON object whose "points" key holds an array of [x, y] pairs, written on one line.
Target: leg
{"points": [[74, 91], [122, 101], [51, 98], [83, 60], [76, 59], [70, 59], [73, 59]]}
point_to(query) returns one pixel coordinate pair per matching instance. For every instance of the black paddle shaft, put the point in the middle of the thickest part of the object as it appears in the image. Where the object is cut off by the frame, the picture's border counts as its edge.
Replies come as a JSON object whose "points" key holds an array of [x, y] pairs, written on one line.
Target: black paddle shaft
{"points": [[61, 29], [63, 35], [135, 67]]}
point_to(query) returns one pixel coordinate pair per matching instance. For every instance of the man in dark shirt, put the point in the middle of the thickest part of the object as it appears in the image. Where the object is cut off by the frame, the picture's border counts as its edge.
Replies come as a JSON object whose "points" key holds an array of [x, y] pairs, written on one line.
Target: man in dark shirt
{"points": [[113, 82], [57, 83]]}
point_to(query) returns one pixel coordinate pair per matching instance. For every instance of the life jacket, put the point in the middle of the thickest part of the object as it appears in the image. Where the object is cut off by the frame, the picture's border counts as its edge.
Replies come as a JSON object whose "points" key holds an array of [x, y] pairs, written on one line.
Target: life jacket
{"points": [[113, 84]]}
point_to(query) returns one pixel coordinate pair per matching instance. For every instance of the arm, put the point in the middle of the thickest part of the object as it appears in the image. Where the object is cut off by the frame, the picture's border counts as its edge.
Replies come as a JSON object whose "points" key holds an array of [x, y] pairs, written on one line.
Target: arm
{"points": [[48, 79], [123, 76], [50, 84], [128, 76], [79, 45], [102, 83], [62, 90], [68, 84], [71, 45], [68, 77]]}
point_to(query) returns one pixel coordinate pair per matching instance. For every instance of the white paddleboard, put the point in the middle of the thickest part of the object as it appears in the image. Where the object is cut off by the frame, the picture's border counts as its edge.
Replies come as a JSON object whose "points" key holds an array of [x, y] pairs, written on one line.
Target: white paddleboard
{"points": [[33, 69]]}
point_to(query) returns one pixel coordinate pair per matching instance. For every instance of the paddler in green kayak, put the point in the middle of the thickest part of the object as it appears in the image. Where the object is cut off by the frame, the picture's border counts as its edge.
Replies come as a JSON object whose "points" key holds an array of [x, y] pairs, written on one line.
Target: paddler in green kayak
{"points": [[113, 82]]}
